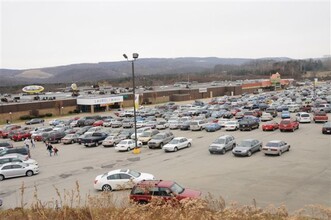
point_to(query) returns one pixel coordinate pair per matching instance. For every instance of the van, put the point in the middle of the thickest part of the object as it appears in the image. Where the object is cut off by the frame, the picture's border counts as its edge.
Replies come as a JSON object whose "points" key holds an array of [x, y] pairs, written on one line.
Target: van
{"points": [[198, 125]]}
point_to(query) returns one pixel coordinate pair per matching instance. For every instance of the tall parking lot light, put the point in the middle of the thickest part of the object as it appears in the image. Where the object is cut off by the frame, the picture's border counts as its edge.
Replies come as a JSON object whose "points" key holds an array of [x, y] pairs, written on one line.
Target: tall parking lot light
{"points": [[134, 56]]}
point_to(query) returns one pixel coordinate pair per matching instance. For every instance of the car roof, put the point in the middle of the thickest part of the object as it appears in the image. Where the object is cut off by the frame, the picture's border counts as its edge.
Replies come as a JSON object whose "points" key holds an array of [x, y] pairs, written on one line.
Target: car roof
{"points": [[274, 141], [118, 171]]}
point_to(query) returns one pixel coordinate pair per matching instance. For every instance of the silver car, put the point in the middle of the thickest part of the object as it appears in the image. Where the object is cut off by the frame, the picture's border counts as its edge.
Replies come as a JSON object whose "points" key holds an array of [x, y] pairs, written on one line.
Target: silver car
{"points": [[222, 144], [247, 147], [276, 147], [15, 169], [17, 158]]}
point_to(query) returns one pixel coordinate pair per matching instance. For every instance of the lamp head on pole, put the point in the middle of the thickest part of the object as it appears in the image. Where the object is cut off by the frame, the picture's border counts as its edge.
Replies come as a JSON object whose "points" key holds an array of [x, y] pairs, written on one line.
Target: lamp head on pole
{"points": [[125, 56], [135, 55]]}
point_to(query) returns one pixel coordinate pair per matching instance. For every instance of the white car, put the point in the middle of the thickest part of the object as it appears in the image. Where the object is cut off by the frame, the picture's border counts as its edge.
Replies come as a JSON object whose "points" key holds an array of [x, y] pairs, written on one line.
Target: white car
{"points": [[127, 145], [17, 158], [162, 125], [120, 179], [140, 131], [177, 144], [222, 121], [303, 117], [266, 116], [231, 125]]}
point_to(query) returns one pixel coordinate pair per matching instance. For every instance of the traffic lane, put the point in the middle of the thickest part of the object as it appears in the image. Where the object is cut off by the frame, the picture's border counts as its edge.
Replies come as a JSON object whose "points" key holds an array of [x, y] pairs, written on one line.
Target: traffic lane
{"points": [[193, 167]]}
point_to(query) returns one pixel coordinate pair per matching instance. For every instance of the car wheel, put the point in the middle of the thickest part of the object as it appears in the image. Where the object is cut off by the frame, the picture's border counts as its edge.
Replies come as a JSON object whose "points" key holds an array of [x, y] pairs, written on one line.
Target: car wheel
{"points": [[96, 144], [129, 148], [2, 177], [175, 149], [29, 173], [161, 145], [288, 149], [189, 145], [106, 187], [293, 129], [223, 151], [260, 148], [249, 153], [279, 153], [142, 202], [72, 141]]}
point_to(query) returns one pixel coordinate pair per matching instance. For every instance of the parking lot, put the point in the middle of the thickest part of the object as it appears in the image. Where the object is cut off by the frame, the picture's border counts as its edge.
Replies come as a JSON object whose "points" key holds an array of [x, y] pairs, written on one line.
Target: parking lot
{"points": [[297, 178]]}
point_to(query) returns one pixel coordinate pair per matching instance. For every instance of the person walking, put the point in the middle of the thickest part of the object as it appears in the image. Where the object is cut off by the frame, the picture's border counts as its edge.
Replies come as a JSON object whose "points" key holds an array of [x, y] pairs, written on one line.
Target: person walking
{"points": [[27, 143], [50, 149], [55, 151], [33, 144]]}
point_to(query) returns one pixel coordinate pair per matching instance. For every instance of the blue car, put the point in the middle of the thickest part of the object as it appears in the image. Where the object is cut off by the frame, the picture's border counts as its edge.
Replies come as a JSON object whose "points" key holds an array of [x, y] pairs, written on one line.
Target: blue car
{"points": [[212, 127], [285, 114]]}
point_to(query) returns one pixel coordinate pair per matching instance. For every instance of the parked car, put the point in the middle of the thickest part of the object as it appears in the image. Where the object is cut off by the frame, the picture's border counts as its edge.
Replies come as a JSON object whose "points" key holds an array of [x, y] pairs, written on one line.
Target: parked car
{"points": [[127, 145], [69, 139], [222, 144], [266, 117], [21, 135], [320, 117], [6, 144], [247, 147], [185, 125], [17, 158], [147, 135], [15, 169], [248, 124], [97, 123], [276, 147], [5, 131], [288, 125], [285, 114], [35, 121], [95, 139], [55, 137], [177, 144], [272, 111], [15, 150], [160, 139], [326, 129], [111, 141], [212, 127], [198, 125], [162, 125], [231, 126], [303, 117], [270, 126], [120, 179], [145, 190], [140, 131]]}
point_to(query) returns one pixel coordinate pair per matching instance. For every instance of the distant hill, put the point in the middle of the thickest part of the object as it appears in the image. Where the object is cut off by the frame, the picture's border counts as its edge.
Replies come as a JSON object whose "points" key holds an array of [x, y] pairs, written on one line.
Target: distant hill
{"points": [[92, 72]]}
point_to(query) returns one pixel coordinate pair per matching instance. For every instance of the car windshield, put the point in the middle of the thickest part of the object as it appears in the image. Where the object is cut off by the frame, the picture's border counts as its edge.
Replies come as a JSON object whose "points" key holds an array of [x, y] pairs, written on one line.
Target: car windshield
{"points": [[174, 141], [272, 144], [158, 136], [219, 141], [245, 144], [177, 188], [304, 115], [134, 173], [146, 134]]}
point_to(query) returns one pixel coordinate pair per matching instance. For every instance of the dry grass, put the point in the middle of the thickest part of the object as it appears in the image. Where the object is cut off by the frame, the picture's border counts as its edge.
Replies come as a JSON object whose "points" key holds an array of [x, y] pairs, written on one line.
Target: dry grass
{"points": [[69, 205]]}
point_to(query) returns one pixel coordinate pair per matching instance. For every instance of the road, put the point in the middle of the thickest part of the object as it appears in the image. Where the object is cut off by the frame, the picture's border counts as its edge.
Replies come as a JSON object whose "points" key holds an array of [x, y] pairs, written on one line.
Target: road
{"points": [[298, 178]]}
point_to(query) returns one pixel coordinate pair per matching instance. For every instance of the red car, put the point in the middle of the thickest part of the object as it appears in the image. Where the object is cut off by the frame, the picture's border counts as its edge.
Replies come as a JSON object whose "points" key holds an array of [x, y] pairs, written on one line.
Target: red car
{"points": [[320, 117], [143, 191], [5, 131], [97, 123], [270, 126], [288, 125], [20, 136]]}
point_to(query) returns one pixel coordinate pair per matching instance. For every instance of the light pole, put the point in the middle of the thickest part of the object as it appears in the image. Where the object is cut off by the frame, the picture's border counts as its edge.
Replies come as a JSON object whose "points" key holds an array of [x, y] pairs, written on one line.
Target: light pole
{"points": [[10, 118], [134, 56]]}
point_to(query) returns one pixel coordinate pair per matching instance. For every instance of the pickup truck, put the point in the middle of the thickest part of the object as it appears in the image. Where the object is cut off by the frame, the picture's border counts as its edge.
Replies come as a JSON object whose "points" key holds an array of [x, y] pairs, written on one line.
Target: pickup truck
{"points": [[94, 140]]}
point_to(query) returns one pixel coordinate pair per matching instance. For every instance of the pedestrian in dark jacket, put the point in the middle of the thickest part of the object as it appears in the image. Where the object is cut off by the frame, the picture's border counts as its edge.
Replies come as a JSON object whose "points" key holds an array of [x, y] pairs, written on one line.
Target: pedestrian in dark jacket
{"points": [[50, 149]]}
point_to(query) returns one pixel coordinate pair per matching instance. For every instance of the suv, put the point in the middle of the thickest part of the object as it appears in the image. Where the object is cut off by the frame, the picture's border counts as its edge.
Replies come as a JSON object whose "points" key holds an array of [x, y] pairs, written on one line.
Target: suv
{"points": [[147, 135], [222, 144], [18, 150], [144, 191], [55, 137], [160, 139], [302, 117], [198, 125]]}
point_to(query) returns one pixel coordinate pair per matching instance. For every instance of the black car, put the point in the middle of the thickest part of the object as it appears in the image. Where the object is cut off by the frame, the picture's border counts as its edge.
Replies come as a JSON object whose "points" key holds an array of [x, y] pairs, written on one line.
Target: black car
{"points": [[326, 128], [15, 150], [35, 121], [55, 137], [248, 124], [6, 144]]}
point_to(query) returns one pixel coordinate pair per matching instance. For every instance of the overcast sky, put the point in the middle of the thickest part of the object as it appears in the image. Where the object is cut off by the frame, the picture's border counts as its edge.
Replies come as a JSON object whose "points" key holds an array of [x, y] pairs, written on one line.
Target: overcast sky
{"points": [[49, 33]]}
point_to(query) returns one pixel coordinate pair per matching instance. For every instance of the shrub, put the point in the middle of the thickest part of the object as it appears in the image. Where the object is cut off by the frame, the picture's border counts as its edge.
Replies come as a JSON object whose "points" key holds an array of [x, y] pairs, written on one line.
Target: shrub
{"points": [[48, 114], [26, 117]]}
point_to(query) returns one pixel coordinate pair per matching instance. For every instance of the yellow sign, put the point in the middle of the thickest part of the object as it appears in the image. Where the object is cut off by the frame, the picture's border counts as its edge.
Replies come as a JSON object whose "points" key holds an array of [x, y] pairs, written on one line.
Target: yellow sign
{"points": [[136, 101]]}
